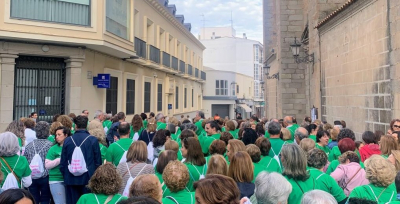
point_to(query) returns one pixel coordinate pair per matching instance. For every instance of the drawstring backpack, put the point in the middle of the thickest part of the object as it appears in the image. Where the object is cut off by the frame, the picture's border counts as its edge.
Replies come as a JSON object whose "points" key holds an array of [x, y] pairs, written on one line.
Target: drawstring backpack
{"points": [[77, 166], [11, 179], [123, 158], [150, 148], [130, 180], [36, 164]]}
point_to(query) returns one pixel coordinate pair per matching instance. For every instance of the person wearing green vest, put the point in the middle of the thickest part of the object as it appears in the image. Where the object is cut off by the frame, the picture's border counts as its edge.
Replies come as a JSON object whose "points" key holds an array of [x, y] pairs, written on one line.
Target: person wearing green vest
{"points": [[274, 129], [104, 185], [53, 128], [294, 162], [212, 130], [199, 117], [161, 125], [255, 155], [322, 141], [52, 162], [316, 161], [176, 176], [381, 175], [194, 160], [107, 123], [230, 127], [288, 120], [116, 152], [136, 127], [11, 162], [266, 127]]}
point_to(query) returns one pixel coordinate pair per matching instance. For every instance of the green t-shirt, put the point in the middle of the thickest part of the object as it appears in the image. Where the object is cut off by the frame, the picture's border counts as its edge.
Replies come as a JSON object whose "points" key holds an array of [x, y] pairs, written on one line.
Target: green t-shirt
{"points": [[176, 135], [313, 137], [181, 197], [292, 130], [51, 138], [145, 124], [103, 151], [21, 169], [299, 188], [271, 164], [372, 192], [234, 133], [195, 172], [117, 149], [200, 129], [107, 125], [205, 141], [161, 125], [334, 164], [101, 198], [334, 154], [132, 133], [327, 184], [325, 148], [223, 129], [276, 147], [55, 153], [267, 134]]}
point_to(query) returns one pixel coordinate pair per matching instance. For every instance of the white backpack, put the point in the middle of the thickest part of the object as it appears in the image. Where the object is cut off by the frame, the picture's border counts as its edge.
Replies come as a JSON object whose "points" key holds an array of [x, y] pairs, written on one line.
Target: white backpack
{"points": [[123, 158], [150, 148], [11, 180], [276, 156], [130, 180], [77, 166], [135, 136], [36, 164]]}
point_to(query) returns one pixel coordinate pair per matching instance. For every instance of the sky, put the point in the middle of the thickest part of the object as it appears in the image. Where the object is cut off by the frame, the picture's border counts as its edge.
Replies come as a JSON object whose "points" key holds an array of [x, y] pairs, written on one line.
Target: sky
{"points": [[246, 15]]}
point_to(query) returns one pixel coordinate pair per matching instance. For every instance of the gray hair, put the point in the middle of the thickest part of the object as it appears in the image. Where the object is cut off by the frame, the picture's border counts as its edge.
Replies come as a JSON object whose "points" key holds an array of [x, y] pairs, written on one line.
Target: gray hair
{"points": [[294, 161], [98, 113], [272, 188], [188, 126], [274, 128], [318, 197], [201, 114], [159, 116], [9, 145], [299, 134], [42, 130]]}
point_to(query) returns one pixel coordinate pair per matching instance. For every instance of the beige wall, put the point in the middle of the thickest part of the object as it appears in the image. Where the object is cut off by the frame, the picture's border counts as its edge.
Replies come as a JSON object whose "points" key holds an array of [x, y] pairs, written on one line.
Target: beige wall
{"points": [[356, 69]]}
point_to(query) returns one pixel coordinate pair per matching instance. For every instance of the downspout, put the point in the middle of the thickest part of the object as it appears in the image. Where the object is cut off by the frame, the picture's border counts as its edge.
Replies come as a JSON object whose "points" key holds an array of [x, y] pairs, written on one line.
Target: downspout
{"points": [[320, 73]]}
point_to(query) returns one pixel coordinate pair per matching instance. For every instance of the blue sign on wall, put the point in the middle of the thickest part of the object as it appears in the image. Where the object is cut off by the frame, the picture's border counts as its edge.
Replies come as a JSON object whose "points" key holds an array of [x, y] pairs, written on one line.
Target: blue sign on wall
{"points": [[169, 106], [103, 81]]}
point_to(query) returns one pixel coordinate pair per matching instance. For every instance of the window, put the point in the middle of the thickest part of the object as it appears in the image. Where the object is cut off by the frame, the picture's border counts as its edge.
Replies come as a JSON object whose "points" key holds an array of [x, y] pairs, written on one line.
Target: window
{"points": [[221, 87], [256, 73], [130, 96], [237, 89], [118, 17], [112, 96], [185, 97], [159, 97], [256, 52], [192, 98], [256, 89], [75, 12], [147, 93], [177, 98]]}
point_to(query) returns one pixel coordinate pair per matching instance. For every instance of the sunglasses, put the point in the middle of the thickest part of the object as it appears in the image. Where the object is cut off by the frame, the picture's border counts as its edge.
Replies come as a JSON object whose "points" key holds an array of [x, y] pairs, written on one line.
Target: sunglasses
{"points": [[396, 126]]}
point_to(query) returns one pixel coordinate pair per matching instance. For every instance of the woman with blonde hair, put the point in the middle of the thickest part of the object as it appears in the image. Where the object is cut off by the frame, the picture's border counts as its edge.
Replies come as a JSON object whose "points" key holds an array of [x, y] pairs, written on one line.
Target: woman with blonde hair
{"points": [[174, 146], [66, 121], [146, 185], [53, 128], [176, 176], [233, 147], [95, 128], [286, 135], [148, 134], [394, 158], [241, 170], [104, 185], [135, 165], [307, 144], [217, 165], [17, 127], [381, 175], [387, 144], [136, 127]]}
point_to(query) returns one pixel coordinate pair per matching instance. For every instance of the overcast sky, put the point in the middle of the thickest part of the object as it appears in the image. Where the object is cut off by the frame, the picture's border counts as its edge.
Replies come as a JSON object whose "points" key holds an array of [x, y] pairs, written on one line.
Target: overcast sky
{"points": [[246, 14]]}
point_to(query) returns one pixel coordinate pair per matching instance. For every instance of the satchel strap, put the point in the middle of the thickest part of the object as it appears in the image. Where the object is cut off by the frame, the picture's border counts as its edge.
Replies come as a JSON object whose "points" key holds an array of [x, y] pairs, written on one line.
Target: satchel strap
{"points": [[345, 186], [12, 171]]}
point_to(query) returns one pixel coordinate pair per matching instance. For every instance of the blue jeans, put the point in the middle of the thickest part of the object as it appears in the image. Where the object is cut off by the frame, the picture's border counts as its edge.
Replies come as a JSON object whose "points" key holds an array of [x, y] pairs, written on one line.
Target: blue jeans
{"points": [[40, 190], [58, 192]]}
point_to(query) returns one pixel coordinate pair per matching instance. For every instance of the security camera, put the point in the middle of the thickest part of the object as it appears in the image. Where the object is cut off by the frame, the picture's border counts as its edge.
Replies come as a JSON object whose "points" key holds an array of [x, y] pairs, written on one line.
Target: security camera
{"points": [[272, 50], [155, 75]]}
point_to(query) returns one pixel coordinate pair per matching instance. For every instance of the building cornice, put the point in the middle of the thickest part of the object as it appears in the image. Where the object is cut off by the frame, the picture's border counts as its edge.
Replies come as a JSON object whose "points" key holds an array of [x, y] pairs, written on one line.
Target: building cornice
{"points": [[166, 14]]}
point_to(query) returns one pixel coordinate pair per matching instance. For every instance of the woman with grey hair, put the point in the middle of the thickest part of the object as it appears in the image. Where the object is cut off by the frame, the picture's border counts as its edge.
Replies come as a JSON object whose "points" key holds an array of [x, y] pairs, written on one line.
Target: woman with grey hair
{"points": [[294, 162], [318, 197], [17, 127], [316, 161], [40, 183], [271, 188], [11, 162]]}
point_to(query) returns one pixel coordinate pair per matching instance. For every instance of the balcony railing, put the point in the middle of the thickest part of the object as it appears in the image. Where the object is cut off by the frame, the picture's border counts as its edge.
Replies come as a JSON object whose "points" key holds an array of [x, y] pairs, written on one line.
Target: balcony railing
{"points": [[196, 73], [140, 47], [166, 59], [190, 70], [182, 66], [174, 63], [154, 54], [203, 75]]}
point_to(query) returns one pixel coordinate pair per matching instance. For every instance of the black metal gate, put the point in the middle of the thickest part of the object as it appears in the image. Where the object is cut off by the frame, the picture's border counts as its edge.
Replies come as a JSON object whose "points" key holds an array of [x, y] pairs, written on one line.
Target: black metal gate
{"points": [[39, 86]]}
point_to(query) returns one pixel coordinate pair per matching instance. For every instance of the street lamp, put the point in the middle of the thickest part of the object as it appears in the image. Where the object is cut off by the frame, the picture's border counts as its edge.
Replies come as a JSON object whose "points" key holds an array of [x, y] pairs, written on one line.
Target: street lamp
{"points": [[266, 69], [295, 47]]}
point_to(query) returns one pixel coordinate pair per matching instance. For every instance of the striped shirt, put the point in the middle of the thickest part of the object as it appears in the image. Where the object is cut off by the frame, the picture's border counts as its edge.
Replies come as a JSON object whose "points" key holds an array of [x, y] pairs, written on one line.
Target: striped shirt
{"points": [[135, 168]]}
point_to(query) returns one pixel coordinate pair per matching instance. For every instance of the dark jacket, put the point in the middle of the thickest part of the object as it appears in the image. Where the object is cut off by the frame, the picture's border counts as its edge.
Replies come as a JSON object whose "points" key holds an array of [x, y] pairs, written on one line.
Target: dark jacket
{"points": [[91, 151], [145, 136], [246, 189], [113, 131]]}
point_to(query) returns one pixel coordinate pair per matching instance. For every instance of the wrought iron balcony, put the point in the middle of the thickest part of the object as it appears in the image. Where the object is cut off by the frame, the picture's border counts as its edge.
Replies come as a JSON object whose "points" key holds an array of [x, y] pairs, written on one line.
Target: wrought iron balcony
{"points": [[154, 54], [166, 59], [140, 47], [174, 63], [182, 66], [203, 75], [190, 70], [196, 73]]}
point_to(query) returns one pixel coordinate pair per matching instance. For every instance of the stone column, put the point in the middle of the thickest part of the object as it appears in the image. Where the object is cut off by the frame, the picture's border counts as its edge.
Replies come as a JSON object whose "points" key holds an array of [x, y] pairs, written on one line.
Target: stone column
{"points": [[73, 85], [7, 66]]}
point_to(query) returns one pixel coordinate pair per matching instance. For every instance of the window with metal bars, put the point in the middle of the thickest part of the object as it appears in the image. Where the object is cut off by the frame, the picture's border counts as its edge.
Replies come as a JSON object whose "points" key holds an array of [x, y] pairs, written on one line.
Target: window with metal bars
{"points": [[147, 96], [176, 97], [159, 97], [185, 104], [130, 96], [112, 96]]}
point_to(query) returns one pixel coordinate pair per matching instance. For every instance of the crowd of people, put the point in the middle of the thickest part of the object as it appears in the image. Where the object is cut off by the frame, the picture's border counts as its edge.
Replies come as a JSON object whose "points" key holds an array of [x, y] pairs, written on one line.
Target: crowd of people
{"points": [[159, 159]]}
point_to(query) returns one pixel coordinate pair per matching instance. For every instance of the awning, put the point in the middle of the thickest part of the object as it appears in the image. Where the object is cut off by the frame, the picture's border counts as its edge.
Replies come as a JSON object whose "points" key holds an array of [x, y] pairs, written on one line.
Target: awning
{"points": [[245, 107]]}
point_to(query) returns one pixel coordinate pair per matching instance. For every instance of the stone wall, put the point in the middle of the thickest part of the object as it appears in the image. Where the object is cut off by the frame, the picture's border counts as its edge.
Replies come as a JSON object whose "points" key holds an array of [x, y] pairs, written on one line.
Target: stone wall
{"points": [[355, 65], [394, 16]]}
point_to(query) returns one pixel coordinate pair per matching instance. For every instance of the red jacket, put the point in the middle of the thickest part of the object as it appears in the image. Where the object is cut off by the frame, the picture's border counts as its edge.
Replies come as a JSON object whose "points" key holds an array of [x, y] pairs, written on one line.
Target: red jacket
{"points": [[368, 150]]}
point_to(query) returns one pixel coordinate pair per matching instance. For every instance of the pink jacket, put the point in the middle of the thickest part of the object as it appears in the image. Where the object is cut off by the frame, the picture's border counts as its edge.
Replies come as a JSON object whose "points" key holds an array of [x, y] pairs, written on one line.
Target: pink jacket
{"points": [[344, 172]]}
